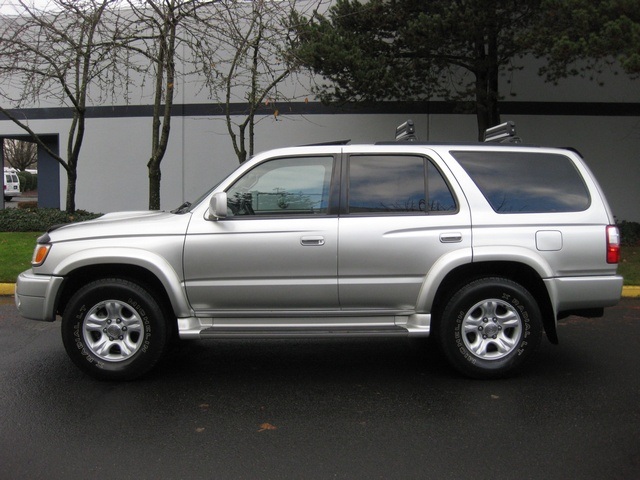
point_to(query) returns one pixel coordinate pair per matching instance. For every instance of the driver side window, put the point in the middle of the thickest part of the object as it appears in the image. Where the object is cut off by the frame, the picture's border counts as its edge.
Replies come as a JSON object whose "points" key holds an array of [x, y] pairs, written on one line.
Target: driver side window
{"points": [[284, 186]]}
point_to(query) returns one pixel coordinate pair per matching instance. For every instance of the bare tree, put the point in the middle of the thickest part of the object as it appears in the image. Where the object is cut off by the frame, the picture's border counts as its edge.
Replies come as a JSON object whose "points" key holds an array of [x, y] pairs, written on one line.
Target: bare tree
{"points": [[55, 54], [158, 32], [252, 63], [20, 154]]}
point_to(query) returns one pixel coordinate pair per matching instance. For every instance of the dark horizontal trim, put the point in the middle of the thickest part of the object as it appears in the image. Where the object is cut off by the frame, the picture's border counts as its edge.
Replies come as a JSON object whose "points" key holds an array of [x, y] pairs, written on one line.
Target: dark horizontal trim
{"points": [[598, 109]]}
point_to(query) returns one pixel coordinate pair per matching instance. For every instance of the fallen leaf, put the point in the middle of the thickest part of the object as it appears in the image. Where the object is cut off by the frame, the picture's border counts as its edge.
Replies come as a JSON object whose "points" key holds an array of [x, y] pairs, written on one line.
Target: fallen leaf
{"points": [[267, 426]]}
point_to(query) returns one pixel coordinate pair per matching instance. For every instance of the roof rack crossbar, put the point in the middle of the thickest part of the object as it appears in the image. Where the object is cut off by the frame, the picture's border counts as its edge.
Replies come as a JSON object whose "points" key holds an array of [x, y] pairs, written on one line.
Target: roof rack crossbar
{"points": [[503, 133], [406, 132]]}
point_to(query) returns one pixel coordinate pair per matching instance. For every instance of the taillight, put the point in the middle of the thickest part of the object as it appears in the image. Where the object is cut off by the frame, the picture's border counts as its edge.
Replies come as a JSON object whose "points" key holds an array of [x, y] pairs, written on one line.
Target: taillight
{"points": [[613, 244]]}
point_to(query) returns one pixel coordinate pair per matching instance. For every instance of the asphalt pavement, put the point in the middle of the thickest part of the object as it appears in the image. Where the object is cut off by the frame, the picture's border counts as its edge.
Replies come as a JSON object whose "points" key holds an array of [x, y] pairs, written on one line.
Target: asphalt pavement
{"points": [[325, 409]]}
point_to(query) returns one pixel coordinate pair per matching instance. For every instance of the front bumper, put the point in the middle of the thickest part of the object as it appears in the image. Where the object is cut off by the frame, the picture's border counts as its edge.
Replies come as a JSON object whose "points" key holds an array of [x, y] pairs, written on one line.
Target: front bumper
{"points": [[35, 295]]}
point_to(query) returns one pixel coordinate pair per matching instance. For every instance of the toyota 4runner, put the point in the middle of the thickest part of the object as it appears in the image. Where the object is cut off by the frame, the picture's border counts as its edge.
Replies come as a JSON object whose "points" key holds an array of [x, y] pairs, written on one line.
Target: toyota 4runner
{"points": [[482, 246]]}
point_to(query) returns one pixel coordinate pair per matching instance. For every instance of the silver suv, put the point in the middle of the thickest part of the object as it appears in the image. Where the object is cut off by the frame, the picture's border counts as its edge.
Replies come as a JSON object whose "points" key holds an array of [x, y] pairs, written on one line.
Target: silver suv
{"points": [[482, 246]]}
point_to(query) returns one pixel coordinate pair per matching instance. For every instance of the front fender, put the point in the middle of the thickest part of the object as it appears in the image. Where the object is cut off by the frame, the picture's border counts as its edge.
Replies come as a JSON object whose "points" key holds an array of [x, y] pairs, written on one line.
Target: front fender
{"points": [[150, 261]]}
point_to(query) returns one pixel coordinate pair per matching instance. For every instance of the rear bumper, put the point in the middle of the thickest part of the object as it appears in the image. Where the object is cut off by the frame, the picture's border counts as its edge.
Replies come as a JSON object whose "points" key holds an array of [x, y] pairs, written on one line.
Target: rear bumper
{"points": [[569, 294], [35, 295]]}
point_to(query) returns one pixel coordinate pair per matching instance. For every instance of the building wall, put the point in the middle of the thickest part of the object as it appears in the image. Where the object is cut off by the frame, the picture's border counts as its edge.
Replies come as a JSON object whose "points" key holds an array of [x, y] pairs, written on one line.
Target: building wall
{"points": [[600, 118], [112, 173]]}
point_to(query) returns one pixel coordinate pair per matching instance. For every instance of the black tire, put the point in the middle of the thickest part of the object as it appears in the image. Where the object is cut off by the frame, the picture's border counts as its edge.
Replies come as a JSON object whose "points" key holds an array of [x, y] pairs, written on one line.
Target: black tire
{"points": [[489, 328], [114, 329]]}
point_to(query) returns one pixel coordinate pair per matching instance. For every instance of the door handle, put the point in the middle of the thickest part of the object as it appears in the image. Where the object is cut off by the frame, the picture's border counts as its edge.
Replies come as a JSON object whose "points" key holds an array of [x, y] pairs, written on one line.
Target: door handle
{"points": [[451, 237], [312, 241]]}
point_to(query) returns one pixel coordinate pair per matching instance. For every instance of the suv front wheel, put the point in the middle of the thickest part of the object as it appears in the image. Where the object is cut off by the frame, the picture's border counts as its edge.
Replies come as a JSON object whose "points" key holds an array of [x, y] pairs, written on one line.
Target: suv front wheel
{"points": [[490, 327], [114, 329]]}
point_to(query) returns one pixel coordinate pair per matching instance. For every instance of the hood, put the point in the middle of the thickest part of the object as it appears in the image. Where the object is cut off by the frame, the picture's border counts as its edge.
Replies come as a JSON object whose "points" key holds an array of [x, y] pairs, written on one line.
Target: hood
{"points": [[123, 224]]}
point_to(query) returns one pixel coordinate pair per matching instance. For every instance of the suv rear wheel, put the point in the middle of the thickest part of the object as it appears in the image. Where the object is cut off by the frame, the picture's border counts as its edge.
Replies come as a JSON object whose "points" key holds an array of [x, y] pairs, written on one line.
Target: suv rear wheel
{"points": [[490, 327], [114, 329]]}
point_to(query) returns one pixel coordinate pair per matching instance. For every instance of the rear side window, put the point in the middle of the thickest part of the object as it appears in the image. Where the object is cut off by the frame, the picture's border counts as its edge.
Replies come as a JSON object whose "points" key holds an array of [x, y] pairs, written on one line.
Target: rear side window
{"points": [[397, 184], [526, 182]]}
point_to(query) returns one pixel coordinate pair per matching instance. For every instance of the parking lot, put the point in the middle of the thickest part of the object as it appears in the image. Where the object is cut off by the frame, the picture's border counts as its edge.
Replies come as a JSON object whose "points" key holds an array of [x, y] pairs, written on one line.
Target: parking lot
{"points": [[324, 409], [13, 203]]}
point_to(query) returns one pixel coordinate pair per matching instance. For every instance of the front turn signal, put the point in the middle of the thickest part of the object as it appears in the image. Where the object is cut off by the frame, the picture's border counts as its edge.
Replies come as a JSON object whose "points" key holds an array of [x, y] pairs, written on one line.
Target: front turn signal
{"points": [[40, 254]]}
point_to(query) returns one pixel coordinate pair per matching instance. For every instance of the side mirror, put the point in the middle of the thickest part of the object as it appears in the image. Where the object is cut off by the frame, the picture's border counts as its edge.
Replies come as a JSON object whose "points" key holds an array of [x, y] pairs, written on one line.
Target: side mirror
{"points": [[218, 206]]}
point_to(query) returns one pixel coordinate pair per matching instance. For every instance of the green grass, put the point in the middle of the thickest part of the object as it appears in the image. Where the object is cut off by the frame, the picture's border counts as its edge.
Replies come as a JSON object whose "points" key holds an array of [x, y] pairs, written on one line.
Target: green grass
{"points": [[16, 250], [629, 266]]}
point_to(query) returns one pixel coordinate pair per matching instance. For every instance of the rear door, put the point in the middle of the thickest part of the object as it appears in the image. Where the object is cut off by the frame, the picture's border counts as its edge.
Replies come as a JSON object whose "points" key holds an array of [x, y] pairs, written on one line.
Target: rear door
{"points": [[399, 215]]}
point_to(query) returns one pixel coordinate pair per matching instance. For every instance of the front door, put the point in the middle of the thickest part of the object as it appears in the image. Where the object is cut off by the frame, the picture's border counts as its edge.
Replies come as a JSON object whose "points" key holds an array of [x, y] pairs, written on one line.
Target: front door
{"points": [[277, 249]]}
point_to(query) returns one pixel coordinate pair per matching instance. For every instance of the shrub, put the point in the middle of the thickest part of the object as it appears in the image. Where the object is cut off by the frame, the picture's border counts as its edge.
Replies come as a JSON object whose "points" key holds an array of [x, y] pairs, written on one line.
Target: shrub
{"points": [[28, 205], [629, 233], [38, 219], [28, 181], [23, 181]]}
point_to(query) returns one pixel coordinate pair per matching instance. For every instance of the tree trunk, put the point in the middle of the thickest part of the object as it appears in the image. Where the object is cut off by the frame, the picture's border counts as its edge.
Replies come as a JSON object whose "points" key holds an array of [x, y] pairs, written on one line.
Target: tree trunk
{"points": [[154, 185], [487, 72], [71, 191]]}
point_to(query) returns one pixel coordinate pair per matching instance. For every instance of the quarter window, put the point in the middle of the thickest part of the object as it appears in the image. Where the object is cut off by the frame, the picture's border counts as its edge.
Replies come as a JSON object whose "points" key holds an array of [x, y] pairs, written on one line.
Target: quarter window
{"points": [[526, 182]]}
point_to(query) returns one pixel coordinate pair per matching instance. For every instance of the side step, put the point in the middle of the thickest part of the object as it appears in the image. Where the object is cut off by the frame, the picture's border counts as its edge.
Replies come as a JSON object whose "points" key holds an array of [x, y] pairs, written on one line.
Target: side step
{"points": [[310, 332]]}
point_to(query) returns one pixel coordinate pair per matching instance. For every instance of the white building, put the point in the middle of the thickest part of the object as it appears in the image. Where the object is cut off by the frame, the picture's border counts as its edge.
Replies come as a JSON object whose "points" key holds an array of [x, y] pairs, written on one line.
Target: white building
{"points": [[602, 122]]}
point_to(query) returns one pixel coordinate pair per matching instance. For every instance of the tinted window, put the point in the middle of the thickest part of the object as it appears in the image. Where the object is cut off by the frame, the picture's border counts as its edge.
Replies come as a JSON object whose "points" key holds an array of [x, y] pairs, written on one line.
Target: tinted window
{"points": [[440, 197], [396, 184], [521, 182], [284, 186]]}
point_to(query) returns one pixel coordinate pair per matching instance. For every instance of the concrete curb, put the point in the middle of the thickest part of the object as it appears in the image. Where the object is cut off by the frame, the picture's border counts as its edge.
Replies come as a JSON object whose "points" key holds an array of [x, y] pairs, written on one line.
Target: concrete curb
{"points": [[7, 288], [627, 291], [631, 291]]}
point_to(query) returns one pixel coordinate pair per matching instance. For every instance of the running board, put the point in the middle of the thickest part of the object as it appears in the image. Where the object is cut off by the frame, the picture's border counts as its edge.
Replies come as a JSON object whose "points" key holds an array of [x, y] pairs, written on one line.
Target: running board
{"points": [[310, 332]]}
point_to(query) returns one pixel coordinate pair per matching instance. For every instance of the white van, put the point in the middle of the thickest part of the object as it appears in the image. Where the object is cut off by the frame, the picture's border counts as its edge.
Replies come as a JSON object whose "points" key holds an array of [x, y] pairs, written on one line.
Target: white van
{"points": [[11, 184]]}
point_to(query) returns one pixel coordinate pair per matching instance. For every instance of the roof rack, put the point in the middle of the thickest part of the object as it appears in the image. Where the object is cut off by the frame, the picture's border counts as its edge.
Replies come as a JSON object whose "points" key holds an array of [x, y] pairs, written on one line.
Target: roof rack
{"points": [[326, 144], [503, 133], [406, 132]]}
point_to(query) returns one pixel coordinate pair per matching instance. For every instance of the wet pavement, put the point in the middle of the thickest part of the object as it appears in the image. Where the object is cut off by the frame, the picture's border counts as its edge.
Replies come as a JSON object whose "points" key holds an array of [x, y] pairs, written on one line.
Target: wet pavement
{"points": [[324, 409]]}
